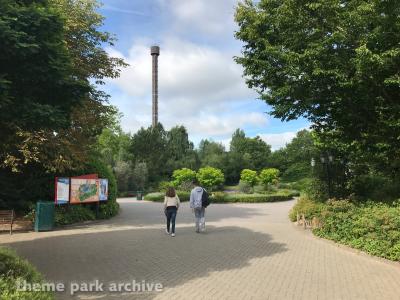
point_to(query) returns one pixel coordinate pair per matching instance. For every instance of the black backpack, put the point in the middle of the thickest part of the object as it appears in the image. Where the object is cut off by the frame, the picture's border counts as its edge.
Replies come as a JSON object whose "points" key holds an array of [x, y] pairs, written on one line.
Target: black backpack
{"points": [[205, 200]]}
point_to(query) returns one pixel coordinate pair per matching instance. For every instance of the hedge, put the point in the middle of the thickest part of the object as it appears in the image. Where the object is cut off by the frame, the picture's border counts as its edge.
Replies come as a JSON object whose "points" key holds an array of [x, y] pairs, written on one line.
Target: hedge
{"points": [[159, 197], [14, 268], [220, 197], [250, 198]]}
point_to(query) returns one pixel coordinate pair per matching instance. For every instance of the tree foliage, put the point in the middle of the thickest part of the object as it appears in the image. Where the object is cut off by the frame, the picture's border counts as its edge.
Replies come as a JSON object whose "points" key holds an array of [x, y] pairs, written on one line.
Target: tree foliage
{"points": [[269, 176], [249, 176], [333, 62], [183, 175], [210, 177], [50, 112]]}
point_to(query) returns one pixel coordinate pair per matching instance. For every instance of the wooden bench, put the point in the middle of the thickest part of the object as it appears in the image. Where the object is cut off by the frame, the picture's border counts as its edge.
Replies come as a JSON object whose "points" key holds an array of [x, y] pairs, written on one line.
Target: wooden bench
{"points": [[7, 217]]}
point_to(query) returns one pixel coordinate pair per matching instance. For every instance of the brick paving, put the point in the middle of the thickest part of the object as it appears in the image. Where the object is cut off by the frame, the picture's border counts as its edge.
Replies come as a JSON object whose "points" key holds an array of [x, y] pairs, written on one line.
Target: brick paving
{"points": [[250, 251]]}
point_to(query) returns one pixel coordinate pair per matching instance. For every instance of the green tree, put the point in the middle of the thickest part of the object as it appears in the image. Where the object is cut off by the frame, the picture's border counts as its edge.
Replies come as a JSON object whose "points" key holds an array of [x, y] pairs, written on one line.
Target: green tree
{"points": [[50, 112], [294, 160], [183, 175], [149, 146], [254, 151], [249, 176], [33, 55], [211, 153], [180, 150], [211, 178], [333, 62], [140, 175], [269, 176]]}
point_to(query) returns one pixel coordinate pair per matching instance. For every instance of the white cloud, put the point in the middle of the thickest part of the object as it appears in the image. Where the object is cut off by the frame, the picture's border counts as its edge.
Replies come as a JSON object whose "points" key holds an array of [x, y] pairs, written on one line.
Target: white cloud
{"points": [[209, 17], [278, 140], [197, 85]]}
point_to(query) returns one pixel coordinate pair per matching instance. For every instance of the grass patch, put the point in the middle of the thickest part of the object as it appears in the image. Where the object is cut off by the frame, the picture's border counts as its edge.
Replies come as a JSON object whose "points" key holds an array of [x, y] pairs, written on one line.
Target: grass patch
{"points": [[12, 269]]}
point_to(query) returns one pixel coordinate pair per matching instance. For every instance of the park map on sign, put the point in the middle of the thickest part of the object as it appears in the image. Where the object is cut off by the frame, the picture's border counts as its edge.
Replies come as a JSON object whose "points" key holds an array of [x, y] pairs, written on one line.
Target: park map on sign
{"points": [[84, 190]]}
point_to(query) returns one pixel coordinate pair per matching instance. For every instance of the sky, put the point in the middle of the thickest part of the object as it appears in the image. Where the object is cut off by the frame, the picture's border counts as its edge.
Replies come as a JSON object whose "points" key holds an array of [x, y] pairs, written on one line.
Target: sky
{"points": [[200, 85]]}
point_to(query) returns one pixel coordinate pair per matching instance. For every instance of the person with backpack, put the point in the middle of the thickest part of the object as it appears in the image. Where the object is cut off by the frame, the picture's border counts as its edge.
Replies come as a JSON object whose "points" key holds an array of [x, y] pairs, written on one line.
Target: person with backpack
{"points": [[198, 202], [171, 205]]}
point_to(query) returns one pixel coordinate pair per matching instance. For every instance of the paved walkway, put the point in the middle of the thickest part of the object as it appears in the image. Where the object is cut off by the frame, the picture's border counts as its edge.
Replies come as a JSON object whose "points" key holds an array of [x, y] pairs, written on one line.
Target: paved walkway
{"points": [[250, 251]]}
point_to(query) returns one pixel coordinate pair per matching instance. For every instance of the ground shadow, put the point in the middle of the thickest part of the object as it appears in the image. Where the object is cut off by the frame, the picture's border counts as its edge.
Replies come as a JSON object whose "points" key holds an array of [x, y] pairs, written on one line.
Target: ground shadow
{"points": [[145, 254]]}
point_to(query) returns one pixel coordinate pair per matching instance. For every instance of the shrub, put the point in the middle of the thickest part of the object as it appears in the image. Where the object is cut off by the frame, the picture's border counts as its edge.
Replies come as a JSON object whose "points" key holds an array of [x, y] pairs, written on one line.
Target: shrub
{"points": [[269, 176], [316, 190], [108, 209], [371, 227], [307, 207], [249, 176], [218, 197], [300, 185], [183, 175], [211, 178], [245, 187], [255, 198], [13, 268], [221, 197], [259, 189], [374, 186], [186, 186], [156, 197], [73, 214], [164, 185]]}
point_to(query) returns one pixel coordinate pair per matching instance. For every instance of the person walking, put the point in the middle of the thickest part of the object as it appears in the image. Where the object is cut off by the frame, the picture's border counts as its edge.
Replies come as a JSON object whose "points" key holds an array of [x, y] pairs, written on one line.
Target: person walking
{"points": [[196, 204], [171, 205]]}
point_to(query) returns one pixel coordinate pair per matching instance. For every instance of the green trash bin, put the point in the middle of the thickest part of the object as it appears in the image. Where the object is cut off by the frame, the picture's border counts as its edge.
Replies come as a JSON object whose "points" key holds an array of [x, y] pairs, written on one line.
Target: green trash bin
{"points": [[139, 195], [44, 216]]}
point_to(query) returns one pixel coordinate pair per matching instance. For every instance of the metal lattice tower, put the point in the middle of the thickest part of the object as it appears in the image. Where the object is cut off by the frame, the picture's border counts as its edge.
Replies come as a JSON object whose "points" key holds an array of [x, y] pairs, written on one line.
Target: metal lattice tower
{"points": [[155, 52]]}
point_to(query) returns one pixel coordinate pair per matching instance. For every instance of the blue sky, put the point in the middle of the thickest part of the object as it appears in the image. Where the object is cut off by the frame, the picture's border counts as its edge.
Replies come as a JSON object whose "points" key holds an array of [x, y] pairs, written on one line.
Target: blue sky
{"points": [[200, 85]]}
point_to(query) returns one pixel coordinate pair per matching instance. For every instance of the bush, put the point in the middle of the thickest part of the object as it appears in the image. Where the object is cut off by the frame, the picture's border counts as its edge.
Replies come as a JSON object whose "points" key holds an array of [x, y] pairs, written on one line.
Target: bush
{"points": [[249, 176], [219, 197], [108, 210], [371, 227], [307, 207], [186, 186], [181, 176], [13, 268], [73, 214], [317, 190], [300, 185], [156, 197], [211, 178], [374, 186], [269, 176], [164, 185], [245, 187]]}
